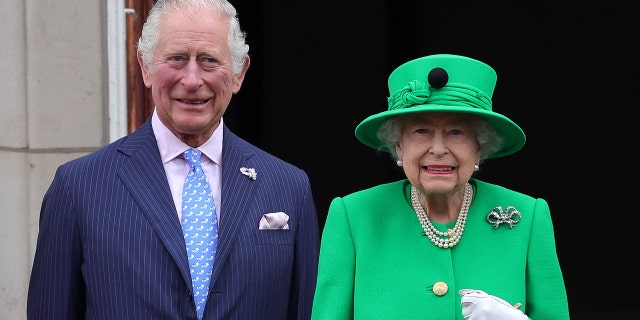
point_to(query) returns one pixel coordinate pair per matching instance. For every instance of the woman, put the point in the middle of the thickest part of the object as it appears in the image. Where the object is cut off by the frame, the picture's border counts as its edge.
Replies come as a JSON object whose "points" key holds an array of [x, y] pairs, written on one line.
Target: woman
{"points": [[439, 244]]}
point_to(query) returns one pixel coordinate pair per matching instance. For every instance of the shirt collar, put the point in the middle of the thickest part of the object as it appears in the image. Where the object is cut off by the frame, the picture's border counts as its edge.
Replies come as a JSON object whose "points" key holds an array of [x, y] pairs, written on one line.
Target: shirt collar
{"points": [[171, 147]]}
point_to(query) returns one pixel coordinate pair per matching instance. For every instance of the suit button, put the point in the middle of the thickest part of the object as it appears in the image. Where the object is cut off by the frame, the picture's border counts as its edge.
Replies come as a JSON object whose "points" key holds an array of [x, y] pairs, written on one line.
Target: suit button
{"points": [[190, 295], [440, 288]]}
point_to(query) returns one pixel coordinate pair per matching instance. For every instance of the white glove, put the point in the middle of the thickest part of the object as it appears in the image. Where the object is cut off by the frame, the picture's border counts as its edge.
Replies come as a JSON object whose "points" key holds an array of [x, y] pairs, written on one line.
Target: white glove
{"points": [[478, 305]]}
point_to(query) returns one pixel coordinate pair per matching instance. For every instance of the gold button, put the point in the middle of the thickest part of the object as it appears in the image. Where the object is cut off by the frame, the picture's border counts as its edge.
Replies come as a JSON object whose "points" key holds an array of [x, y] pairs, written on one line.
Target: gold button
{"points": [[440, 288]]}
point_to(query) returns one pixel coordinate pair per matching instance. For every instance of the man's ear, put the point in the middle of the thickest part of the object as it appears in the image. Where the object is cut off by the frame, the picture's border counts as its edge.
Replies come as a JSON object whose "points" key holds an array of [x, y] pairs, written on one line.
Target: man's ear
{"points": [[146, 73], [239, 78]]}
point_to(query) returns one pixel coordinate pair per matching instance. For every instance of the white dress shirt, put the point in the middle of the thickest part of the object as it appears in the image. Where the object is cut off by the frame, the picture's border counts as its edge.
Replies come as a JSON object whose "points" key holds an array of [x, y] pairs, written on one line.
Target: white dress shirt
{"points": [[176, 168]]}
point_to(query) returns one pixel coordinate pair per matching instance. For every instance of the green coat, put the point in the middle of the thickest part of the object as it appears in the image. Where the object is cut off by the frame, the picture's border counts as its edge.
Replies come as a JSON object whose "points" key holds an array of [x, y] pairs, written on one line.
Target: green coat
{"points": [[376, 263]]}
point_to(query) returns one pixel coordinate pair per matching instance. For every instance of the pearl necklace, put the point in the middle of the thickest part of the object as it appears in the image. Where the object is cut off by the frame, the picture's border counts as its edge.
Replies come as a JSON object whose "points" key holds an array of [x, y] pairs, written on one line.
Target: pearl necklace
{"points": [[451, 237]]}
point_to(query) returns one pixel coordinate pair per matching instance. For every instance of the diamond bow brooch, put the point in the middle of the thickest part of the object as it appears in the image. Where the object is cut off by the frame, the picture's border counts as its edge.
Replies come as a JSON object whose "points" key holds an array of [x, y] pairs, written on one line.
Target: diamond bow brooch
{"points": [[498, 216]]}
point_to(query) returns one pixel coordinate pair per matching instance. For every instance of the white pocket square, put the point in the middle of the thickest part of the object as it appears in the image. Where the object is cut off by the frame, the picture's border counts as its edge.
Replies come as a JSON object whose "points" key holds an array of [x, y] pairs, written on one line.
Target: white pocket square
{"points": [[274, 221]]}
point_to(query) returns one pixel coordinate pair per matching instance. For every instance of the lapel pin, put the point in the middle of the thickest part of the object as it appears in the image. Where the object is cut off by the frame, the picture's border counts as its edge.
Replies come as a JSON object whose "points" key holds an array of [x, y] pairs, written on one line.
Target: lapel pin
{"points": [[249, 172]]}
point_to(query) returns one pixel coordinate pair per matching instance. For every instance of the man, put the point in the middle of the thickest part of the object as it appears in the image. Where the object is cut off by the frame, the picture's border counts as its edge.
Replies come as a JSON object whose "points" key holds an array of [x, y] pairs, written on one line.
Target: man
{"points": [[115, 240]]}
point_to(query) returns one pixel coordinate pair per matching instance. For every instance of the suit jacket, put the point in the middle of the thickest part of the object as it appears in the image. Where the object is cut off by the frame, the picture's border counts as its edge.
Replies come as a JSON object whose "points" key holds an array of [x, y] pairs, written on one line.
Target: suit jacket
{"points": [[110, 245], [376, 262]]}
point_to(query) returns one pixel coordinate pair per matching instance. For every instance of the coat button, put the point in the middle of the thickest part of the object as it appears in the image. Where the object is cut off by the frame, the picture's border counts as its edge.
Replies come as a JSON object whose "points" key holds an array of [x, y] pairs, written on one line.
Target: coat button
{"points": [[440, 288]]}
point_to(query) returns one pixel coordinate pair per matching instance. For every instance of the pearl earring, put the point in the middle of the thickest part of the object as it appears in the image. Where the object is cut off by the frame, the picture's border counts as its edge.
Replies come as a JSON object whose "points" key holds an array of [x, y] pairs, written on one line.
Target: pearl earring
{"points": [[399, 163], [476, 167]]}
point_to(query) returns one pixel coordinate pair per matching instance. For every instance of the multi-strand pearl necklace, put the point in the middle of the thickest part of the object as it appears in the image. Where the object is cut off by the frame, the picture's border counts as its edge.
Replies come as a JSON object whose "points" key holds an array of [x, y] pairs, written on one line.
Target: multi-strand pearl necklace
{"points": [[441, 239]]}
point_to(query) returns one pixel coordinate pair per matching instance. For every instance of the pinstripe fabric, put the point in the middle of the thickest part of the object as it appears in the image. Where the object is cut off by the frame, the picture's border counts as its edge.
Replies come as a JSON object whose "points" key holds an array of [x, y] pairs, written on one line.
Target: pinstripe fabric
{"points": [[110, 245]]}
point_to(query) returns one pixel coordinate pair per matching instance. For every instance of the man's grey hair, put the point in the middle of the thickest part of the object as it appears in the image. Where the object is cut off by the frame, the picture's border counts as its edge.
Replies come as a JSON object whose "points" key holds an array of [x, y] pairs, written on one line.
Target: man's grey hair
{"points": [[150, 30]]}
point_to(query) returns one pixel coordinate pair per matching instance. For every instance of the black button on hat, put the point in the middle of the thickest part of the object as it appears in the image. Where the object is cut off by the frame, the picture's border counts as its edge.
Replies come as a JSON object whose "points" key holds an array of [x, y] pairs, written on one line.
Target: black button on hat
{"points": [[438, 77]]}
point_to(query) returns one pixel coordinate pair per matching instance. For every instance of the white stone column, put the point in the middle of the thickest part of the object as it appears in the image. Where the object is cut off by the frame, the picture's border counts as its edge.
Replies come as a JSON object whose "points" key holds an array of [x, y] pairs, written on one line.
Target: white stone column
{"points": [[53, 88]]}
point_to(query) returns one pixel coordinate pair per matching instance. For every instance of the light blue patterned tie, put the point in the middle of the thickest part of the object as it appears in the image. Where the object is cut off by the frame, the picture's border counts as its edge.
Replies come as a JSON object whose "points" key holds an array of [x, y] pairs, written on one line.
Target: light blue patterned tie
{"points": [[200, 228]]}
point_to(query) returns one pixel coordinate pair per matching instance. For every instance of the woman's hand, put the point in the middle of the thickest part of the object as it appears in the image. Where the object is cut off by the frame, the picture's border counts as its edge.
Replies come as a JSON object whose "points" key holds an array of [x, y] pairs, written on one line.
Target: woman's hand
{"points": [[478, 305]]}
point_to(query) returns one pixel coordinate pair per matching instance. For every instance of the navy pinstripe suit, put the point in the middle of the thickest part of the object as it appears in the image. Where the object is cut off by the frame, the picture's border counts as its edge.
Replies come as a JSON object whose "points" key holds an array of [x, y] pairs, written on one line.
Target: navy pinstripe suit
{"points": [[110, 245]]}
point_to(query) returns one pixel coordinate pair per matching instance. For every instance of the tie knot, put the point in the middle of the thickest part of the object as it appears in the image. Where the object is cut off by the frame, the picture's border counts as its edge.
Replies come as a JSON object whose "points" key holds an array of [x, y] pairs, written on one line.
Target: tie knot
{"points": [[192, 156]]}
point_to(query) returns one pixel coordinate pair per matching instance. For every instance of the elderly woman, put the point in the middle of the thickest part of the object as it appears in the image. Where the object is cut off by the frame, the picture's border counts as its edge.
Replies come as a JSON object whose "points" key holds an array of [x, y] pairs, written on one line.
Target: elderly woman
{"points": [[440, 244]]}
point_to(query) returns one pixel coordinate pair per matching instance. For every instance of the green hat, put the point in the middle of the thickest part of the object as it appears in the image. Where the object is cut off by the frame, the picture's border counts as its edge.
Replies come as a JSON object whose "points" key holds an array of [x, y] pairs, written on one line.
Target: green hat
{"points": [[443, 83]]}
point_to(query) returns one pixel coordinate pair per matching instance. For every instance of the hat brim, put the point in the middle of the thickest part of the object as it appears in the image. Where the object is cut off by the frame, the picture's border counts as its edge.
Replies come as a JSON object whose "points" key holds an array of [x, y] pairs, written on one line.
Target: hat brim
{"points": [[514, 137]]}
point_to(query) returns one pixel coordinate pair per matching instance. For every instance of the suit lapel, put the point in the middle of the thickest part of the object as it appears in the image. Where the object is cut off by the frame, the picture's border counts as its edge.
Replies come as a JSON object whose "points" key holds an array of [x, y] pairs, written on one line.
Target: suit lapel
{"points": [[144, 176], [237, 195]]}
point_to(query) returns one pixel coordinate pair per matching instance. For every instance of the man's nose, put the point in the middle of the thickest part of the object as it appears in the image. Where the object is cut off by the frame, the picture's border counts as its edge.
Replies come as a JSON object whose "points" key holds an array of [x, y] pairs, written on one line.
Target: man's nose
{"points": [[192, 78]]}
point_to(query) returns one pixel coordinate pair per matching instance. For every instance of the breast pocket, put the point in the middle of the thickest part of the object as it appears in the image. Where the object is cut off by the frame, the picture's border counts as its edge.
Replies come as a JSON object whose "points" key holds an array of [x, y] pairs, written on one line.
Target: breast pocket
{"points": [[271, 237]]}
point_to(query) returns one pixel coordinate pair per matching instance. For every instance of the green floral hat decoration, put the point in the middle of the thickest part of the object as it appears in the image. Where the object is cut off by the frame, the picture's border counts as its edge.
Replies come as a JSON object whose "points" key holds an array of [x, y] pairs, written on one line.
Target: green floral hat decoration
{"points": [[443, 83]]}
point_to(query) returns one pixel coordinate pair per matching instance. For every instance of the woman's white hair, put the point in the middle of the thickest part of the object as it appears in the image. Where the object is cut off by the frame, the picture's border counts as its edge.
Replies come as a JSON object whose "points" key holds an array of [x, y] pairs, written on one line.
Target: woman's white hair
{"points": [[150, 30], [488, 138]]}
